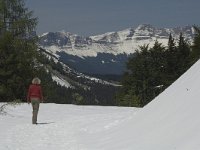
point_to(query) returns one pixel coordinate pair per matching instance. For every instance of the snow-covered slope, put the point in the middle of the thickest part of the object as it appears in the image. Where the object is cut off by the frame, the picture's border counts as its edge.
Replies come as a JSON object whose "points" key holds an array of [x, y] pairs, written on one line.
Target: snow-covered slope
{"points": [[170, 122]]}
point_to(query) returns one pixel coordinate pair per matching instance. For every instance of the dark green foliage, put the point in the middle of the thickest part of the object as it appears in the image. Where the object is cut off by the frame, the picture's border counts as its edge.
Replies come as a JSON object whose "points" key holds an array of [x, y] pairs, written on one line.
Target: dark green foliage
{"points": [[195, 54], [144, 79], [171, 56], [19, 59], [78, 99], [17, 49], [151, 70], [184, 51], [177, 58]]}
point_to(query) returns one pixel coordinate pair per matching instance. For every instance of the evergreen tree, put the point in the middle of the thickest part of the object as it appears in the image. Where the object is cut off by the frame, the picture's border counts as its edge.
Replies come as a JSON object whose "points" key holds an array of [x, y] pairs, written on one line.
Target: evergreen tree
{"points": [[195, 54], [136, 91], [158, 68], [171, 54], [17, 48], [151, 70], [183, 55]]}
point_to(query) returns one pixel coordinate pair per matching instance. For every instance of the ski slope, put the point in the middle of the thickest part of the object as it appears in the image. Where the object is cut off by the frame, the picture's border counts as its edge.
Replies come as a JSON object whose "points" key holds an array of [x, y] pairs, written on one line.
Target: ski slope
{"points": [[170, 122]]}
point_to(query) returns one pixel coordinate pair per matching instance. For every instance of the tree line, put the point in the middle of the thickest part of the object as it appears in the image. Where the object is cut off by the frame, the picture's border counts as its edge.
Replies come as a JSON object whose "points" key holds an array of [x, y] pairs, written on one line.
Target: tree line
{"points": [[152, 70], [20, 60], [17, 48]]}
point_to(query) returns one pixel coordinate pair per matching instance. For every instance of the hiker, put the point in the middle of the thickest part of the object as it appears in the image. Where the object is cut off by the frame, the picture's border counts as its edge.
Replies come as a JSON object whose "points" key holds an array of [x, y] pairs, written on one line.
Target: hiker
{"points": [[35, 97]]}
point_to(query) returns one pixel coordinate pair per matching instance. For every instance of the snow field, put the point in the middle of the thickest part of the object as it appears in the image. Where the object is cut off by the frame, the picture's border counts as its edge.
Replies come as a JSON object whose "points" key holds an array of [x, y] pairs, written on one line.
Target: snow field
{"points": [[60, 126]]}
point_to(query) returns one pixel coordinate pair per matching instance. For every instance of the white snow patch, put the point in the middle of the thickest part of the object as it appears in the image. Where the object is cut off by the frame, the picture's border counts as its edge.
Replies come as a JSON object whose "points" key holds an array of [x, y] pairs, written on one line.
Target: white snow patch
{"points": [[44, 34], [61, 81]]}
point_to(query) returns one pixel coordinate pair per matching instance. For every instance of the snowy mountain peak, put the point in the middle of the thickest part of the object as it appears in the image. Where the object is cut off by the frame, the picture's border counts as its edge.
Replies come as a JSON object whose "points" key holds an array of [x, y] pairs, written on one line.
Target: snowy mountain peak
{"points": [[62, 39], [125, 41], [144, 30]]}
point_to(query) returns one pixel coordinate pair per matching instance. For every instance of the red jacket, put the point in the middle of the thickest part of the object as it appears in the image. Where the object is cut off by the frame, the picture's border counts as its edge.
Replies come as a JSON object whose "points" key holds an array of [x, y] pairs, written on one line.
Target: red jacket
{"points": [[35, 91]]}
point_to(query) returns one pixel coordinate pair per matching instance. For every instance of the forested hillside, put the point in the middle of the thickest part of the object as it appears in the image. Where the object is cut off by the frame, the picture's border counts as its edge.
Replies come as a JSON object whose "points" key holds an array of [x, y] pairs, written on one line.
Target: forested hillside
{"points": [[21, 61], [152, 70]]}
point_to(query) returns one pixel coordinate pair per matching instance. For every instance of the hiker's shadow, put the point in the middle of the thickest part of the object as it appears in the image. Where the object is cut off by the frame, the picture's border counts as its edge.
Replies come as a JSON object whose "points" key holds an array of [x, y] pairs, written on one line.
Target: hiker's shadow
{"points": [[43, 123]]}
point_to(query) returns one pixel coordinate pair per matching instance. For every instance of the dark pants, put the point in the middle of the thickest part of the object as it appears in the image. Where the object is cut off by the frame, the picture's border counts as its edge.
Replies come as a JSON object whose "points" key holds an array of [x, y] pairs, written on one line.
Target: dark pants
{"points": [[35, 104]]}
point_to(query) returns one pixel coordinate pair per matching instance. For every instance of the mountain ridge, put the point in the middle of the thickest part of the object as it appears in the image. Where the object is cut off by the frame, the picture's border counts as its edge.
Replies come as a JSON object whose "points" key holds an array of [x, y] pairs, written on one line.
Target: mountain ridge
{"points": [[125, 41], [109, 51]]}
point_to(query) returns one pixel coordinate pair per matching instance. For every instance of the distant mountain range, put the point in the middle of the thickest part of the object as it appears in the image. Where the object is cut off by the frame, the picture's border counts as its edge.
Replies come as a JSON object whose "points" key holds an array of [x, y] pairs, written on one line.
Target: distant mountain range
{"points": [[106, 53]]}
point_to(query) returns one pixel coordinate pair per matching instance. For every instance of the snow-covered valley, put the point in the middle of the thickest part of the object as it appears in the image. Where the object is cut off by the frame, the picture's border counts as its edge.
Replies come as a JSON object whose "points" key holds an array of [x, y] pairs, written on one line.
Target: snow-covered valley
{"points": [[169, 122]]}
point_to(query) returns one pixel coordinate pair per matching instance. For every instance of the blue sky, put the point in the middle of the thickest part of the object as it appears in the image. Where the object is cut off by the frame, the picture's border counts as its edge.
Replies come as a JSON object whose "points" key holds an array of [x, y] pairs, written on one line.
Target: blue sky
{"points": [[91, 17]]}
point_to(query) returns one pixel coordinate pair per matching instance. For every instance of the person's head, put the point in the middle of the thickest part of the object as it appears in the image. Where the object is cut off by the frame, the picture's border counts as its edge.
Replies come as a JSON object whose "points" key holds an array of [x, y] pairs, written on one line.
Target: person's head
{"points": [[36, 81]]}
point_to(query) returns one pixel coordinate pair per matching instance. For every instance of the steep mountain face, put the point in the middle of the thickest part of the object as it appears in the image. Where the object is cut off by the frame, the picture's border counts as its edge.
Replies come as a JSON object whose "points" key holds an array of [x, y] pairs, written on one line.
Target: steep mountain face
{"points": [[71, 78], [81, 88], [107, 53]]}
